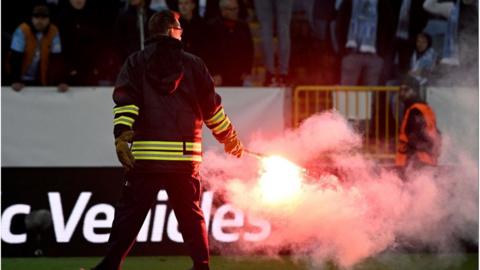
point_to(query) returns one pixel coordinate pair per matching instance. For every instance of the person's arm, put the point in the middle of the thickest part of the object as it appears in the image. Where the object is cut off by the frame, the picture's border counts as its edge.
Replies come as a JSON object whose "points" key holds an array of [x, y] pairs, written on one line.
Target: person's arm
{"points": [[17, 50], [126, 99], [426, 63], [126, 110], [213, 113]]}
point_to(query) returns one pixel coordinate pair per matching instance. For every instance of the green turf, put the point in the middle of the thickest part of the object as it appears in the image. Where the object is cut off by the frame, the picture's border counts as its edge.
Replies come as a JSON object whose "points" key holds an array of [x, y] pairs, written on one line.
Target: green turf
{"points": [[384, 262]]}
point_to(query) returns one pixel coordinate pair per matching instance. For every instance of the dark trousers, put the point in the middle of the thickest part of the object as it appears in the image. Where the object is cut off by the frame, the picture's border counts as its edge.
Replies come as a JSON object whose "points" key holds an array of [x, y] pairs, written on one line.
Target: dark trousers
{"points": [[138, 196]]}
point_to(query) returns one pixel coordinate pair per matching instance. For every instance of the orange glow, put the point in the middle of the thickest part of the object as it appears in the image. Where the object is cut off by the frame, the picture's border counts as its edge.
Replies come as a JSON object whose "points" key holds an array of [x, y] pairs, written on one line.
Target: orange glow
{"points": [[280, 180]]}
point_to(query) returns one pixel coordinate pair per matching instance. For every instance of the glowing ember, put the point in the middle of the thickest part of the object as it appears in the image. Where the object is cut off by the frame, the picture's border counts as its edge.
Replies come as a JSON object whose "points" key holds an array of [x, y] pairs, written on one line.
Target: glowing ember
{"points": [[280, 181]]}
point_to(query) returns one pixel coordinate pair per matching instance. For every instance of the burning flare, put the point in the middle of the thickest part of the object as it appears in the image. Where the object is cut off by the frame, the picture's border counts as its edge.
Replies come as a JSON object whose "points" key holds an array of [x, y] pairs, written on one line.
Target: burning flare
{"points": [[280, 180]]}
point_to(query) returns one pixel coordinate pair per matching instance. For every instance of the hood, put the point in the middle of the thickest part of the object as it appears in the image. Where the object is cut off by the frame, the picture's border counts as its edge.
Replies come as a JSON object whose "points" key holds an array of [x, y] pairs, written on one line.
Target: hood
{"points": [[164, 65]]}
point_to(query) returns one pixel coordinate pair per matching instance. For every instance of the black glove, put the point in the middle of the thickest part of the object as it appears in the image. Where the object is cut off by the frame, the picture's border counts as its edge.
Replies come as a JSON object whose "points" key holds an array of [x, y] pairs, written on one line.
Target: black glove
{"points": [[123, 149], [233, 146]]}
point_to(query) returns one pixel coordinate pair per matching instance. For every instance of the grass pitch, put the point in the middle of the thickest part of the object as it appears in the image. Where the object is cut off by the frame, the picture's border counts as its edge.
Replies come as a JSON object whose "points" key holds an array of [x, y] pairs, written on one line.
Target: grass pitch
{"points": [[383, 262]]}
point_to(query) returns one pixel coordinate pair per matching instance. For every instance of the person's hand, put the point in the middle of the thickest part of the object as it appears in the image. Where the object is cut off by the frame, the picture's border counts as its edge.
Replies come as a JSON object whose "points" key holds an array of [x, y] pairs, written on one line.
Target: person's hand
{"points": [[62, 88], [17, 86], [123, 150], [217, 80], [234, 146]]}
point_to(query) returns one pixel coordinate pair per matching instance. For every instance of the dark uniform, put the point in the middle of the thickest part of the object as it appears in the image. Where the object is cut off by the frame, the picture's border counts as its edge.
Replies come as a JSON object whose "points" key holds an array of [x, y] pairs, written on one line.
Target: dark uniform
{"points": [[164, 95]]}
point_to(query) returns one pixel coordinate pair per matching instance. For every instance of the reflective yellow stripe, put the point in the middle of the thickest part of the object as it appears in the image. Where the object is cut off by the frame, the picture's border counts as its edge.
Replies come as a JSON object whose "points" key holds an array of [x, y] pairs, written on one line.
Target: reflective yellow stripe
{"points": [[125, 111], [123, 123], [193, 158], [127, 107], [222, 127], [158, 155], [125, 119], [178, 154], [219, 116], [166, 145]]}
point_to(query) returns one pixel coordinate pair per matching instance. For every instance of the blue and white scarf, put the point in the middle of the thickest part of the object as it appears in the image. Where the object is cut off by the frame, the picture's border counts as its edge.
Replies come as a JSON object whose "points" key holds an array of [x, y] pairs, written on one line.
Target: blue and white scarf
{"points": [[425, 62], [404, 20], [362, 33]]}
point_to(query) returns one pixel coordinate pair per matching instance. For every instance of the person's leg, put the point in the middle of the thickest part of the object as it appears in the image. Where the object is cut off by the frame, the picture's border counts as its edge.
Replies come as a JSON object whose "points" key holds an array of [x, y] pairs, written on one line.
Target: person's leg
{"points": [[137, 197], [373, 65], [405, 51], [373, 69], [450, 50], [350, 73], [264, 11], [283, 18], [184, 192], [351, 69]]}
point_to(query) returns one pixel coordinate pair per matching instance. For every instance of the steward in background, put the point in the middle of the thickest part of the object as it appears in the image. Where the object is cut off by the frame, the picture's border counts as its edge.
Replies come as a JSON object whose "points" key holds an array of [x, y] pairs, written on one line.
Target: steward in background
{"points": [[35, 53], [419, 138]]}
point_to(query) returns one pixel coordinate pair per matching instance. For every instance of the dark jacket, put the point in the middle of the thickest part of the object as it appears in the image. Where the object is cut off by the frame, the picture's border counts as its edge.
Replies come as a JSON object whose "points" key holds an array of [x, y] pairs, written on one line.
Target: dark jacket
{"points": [[193, 36], [385, 26], [79, 32], [230, 51], [127, 32], [165, 94]]}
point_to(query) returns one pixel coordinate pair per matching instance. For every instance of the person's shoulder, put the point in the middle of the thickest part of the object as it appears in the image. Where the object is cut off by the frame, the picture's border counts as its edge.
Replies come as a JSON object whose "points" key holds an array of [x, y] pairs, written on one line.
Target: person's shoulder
{"points": [[24, 26], [52, 27], [214, 21], [244, 25], [192, 58], [135, 58]]}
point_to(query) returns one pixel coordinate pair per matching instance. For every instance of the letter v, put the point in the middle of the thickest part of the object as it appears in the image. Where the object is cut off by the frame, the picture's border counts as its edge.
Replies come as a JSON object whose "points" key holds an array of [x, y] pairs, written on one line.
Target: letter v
{"points": [[64, 231]]}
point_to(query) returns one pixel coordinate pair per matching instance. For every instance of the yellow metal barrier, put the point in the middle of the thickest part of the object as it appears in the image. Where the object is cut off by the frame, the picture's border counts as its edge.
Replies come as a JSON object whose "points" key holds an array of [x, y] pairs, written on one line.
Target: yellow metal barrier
{"points": [[368, 108]]}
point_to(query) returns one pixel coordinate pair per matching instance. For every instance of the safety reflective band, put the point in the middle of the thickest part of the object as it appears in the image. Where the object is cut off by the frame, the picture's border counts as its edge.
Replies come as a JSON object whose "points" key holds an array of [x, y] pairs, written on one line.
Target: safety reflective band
{"points": [[126, 109], [157, 155], [124, 120], [222, 126], [218, 117], [166, 150], [167, 146]]}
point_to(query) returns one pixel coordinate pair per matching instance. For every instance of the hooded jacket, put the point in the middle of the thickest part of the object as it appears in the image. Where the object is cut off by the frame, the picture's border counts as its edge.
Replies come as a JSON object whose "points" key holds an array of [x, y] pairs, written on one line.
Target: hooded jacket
{"points": [[419, 138], [165, 94]]}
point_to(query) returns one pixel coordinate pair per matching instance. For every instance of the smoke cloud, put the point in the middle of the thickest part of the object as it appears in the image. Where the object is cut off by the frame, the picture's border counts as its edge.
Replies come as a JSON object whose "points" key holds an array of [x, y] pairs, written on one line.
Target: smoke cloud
{"points": [[350, 208]]}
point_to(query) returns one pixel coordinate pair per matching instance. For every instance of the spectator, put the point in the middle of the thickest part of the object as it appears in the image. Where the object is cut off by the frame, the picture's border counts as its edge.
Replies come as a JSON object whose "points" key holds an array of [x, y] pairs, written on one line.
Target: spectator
{"points": [[365, 30], [419, 139], [322, 19], [107, 51], [159, 5], [422, 63], [230, 55], [363, 41], [194, 28], [210, 9], [79, 33], [36, 52], [131, 28], [267, 11], [410, 20], [449, 10], [423, 59]]}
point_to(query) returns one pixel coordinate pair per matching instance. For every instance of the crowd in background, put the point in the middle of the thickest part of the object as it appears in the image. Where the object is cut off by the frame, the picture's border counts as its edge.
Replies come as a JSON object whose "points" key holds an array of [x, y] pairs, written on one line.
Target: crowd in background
{"points": [[243, 42]]}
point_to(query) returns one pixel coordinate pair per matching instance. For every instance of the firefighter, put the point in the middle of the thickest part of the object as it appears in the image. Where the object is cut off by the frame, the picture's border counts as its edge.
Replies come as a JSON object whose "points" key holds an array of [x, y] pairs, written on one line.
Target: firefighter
{"points": [[419, 139], [162, 96]]}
